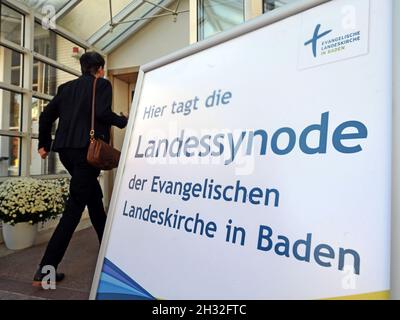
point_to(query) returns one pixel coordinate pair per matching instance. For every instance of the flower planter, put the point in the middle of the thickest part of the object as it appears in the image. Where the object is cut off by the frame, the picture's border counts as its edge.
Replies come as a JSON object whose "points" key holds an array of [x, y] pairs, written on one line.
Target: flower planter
{"points": [[26, 202], [20, 236]]}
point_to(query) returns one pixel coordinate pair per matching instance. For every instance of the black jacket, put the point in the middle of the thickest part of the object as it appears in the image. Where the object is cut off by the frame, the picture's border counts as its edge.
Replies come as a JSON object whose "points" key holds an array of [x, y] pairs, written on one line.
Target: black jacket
{"points": [[72, 105]]}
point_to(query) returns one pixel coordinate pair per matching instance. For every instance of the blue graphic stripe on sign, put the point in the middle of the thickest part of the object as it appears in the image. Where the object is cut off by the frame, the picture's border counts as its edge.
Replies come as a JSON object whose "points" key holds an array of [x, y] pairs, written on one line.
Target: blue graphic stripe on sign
{"points": [[113, 273], [118, 296], [106, 287], [116, 284], [113, 270]]}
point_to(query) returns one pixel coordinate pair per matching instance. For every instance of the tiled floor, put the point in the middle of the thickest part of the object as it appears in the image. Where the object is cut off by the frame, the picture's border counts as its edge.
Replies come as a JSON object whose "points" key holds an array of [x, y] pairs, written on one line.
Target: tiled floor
{"points": [[17, 269]]}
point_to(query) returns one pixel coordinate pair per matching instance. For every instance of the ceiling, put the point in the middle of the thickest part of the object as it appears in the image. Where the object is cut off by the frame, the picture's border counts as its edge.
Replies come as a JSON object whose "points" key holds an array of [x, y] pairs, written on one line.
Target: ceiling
{"points": [[105, 24]]}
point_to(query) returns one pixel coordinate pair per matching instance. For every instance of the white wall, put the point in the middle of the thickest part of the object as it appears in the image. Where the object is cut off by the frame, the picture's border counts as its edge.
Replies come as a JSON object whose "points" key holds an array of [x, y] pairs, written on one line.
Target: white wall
{"points": [[120, 104], [159, 37], [64, 56]]}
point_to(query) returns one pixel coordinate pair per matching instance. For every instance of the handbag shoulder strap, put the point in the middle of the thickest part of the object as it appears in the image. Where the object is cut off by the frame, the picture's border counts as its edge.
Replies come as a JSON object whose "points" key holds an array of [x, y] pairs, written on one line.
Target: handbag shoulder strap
{"points": [[93, 109]]}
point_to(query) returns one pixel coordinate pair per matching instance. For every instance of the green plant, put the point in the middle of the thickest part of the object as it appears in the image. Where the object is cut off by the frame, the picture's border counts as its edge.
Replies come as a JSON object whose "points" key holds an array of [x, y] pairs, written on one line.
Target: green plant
{"points": [[32, 200]]}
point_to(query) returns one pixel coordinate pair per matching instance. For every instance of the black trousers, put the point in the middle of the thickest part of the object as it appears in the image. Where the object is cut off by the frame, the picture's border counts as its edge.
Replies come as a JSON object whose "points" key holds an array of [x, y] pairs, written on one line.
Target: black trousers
{"points": [[85, 191]]}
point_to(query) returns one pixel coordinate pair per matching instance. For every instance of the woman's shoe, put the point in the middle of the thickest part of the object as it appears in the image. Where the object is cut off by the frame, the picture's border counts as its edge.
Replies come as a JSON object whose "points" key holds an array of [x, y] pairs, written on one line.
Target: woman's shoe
{"points": [[37, 279]]}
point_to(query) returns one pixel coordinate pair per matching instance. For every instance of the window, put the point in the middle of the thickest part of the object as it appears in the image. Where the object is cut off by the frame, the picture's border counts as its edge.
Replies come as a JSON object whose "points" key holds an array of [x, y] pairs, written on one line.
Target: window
{"points": [[52, 164], [11, 25], [50, 44], [9, 156], [46, 78], [10, 110], [218, 15], [269, 5], [38, 106], [10, 115], [10, 66], [55, 60]]}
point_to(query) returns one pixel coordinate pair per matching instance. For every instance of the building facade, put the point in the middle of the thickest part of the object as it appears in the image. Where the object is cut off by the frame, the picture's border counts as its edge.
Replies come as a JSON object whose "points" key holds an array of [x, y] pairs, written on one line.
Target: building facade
{"points": [[41, 42]]}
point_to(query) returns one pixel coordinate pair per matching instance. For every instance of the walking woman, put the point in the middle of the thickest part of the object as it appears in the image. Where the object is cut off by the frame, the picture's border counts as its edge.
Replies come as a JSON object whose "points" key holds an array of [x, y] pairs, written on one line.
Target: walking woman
{"points": [[72, 106]]}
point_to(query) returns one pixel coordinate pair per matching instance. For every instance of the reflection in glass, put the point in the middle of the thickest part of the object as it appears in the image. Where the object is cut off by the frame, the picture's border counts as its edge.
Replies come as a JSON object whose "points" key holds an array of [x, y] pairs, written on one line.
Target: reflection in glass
{"points": [[10, 110], [9, 156], [46, 78], [38, 106], [10, 66], [269, 5], [218, 15], [11, 25], [50, 44]]}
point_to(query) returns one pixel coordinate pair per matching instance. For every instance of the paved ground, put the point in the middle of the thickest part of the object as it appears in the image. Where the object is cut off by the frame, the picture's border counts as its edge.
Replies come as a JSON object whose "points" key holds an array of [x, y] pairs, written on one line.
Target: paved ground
{"points": [[17, 269]]}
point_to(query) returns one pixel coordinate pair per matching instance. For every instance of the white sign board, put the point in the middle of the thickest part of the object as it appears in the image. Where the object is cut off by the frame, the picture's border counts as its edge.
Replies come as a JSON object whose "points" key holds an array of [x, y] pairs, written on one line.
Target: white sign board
{"points": [[260, 168]]}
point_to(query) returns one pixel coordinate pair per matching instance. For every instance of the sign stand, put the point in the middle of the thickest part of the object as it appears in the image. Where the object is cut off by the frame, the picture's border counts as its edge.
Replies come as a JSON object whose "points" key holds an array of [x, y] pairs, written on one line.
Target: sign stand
{"points": [[253, 25], [395, 246]]}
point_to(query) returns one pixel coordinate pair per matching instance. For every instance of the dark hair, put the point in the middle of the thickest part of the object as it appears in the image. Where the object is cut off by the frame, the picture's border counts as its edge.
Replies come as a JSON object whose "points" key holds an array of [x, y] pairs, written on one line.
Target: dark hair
{"points": [[91, 62]]}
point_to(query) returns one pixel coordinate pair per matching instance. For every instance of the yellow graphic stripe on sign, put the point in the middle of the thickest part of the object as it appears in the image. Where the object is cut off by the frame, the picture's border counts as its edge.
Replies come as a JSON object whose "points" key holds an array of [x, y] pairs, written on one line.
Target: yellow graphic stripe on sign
{"points": [[382, 295]]}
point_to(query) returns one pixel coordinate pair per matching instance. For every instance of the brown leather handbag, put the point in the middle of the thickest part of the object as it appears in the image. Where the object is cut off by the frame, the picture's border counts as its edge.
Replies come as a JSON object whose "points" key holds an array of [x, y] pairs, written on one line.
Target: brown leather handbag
{"points": [[100, 154]]}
